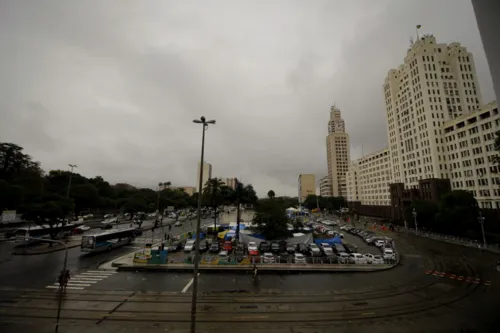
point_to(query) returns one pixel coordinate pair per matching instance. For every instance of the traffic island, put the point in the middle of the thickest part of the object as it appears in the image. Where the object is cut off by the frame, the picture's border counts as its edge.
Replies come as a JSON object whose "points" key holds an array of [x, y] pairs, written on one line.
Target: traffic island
{"points": [[44, 248]]}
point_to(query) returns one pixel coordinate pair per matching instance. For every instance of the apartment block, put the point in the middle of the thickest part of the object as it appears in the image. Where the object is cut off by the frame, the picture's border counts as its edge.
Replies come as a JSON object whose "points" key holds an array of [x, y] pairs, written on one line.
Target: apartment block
{"points": [[337, 152], [374, 178], [325, 187], [469, 146], [436, 83], [230, 182], [207, 174], [307, 186], [352, 182]]}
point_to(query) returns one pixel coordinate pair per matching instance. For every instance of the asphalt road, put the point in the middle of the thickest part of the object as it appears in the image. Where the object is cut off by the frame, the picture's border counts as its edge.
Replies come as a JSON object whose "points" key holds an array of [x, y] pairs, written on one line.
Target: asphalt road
{"points": [[39, 271], [424, 293]]}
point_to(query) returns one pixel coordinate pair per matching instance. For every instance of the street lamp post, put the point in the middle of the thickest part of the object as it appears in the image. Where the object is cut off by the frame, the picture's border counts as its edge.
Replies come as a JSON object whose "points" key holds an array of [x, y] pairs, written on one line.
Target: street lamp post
{"points": [[64, 269], [70, 176], [414, 213], [481, 222], [205, 124]]}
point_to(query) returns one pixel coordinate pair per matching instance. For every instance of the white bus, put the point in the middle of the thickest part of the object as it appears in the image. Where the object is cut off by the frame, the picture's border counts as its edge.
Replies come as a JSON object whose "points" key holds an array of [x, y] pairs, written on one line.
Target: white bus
{"points": [[42, 232], [107, 240]]}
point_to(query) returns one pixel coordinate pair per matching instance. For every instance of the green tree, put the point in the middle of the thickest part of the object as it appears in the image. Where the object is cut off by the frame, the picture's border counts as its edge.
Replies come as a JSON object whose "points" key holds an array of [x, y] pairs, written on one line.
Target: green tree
{"points": [[426, 213], [270, 216], [13, 161], [457, 215], [213, 192], [86, 197], [49, 212], [271, 194]]}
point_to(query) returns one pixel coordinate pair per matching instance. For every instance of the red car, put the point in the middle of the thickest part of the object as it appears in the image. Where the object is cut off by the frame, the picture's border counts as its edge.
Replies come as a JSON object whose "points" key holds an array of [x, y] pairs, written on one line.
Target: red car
{"points": [[228, 246], [252, 249]]}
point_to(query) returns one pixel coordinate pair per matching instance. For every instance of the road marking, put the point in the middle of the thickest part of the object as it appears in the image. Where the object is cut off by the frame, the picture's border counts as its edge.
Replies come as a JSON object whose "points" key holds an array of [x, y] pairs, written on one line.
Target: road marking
{"points": [[428, 272], [102, 272], [68, 287], [86, 278], [487, 283], [93, 275], [251, 317], [460, 278], [188, 284]]}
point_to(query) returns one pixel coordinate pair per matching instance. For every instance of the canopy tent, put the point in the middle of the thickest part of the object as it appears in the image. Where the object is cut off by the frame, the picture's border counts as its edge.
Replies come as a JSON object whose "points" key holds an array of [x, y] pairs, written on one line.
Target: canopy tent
{"points": [[222, 234], [330, 241], [242, 227], [202, 235], [291, 209]]}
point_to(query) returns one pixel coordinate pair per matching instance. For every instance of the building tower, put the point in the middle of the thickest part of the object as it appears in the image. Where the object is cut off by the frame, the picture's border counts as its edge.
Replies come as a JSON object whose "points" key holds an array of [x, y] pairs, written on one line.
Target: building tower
{"points": [[435, 83], [207, 174], [307, 186], [337, 153]]}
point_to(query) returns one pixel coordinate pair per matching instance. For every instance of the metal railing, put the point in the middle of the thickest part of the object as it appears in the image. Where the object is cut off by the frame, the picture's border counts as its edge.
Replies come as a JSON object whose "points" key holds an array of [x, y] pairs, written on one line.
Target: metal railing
{"points": [[451, 239]]}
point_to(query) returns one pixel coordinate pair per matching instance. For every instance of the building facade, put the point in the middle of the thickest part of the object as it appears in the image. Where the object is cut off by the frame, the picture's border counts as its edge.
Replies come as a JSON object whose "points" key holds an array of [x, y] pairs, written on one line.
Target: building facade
{"points": [[229, 182], [436, 83], [352, 182], [337, 153], [374, 178], [307, 186], [207, 174], [469, 145], [325, 187]]}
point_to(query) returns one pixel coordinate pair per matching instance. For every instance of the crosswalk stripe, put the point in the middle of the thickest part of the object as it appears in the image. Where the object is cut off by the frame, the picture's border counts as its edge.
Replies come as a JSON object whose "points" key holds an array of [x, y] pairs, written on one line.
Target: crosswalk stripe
{"points": [[86, 278], [103, 272], [84, 281], [101, 276], [77, 284], [68, 287]]}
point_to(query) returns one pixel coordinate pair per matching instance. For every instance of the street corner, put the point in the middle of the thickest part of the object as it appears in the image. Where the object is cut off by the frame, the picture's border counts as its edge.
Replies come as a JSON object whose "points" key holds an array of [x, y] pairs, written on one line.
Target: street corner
{"points": [[43, 248]]}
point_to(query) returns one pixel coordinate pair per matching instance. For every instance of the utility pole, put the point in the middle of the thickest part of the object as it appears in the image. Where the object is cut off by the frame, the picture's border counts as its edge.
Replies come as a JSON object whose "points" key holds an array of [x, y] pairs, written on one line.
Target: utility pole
{"points": [[70, 176], [415, 219], [481, 221], [194, 299]]}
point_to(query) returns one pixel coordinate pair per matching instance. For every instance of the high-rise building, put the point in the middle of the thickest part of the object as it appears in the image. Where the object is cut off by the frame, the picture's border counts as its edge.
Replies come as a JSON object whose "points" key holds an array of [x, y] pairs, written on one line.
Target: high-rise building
{"points": [[469, 143], [325, 187], [353, 187], [229, 182], [374, 177], [207, 174], [337, 153], [307, 186], [435, 83]]}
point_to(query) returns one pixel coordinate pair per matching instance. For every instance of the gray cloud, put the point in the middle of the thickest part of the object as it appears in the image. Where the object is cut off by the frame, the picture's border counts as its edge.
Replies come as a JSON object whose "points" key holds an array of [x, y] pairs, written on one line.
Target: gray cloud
{"points": [[114, 87]]}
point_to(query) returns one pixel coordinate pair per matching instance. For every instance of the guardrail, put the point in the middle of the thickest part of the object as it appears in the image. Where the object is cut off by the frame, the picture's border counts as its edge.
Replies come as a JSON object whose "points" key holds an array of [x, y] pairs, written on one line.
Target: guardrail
{"points": [[451, 239]]}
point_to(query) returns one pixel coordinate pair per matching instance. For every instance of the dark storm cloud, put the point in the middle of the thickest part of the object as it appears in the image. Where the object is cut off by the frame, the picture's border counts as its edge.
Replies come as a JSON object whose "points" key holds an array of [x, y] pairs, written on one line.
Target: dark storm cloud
{"points": [[113, 86]]}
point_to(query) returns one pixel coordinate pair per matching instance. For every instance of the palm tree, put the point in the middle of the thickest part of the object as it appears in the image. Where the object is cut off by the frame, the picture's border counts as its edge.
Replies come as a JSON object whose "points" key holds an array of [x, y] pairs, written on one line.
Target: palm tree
{"points": [[213, 191], [271, 194]]}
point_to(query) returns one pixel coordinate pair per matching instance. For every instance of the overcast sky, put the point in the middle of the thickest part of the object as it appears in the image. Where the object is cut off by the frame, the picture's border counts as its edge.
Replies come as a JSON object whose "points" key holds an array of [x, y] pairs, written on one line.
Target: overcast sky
{"points": [[113, 86]]}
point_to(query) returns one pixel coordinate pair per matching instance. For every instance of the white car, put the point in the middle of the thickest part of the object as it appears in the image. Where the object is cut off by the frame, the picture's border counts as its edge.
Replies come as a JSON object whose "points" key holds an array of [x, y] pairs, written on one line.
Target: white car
{"points": [[377, 260], [343, 258], [178, 224], [83, 228], [268, 258], [189, 245], [343, 227], [389, 254], [357, 258], [223, 256], [299, 258], [369, 257], [380, 243]]}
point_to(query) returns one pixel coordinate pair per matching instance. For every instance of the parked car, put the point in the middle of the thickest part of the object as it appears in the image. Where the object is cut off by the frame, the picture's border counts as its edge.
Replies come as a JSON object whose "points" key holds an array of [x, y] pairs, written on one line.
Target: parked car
{"points": [[350, 248], [369, 257], [357, 258], [203, 246], [326, 248], [264, 247], [343, 258], [252, 249], [315, 250], [377, 260], [177, 223], [175, 246], [299, 258], [339, 248], [190, 245], [290, 248], [268, 258], [81, 229], [380, 243], [228, 246], [389, 254], [275, 247], [239, 251], [304, 249], [214, 247], [223, 256]]}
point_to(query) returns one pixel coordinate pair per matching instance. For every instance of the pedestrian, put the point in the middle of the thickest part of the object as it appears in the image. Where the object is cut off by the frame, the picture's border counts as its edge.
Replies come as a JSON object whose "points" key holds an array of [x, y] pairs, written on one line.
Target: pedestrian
{"points": [[169, 227]]}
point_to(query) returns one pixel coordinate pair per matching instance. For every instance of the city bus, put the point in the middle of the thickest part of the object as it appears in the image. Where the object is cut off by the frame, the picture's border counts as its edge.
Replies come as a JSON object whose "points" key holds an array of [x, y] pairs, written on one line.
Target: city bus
{"points": [[107, 240], [42, 232]]}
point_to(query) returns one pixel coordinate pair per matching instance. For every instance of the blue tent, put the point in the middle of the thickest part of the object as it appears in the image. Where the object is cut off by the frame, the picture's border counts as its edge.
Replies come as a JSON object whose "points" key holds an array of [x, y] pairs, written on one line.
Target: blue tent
{"points": [[242, 227], [330, 241], [202, 236]]}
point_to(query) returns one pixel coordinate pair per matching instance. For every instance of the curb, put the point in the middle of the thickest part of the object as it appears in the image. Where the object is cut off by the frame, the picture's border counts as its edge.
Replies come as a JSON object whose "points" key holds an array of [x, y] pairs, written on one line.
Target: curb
{"points": [[246, 268], [22, 253]]}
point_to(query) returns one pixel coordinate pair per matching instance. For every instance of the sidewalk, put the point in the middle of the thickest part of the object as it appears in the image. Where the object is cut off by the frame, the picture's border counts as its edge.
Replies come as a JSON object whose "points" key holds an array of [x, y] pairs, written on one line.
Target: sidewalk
{"points": [[43, 248], [126, 263]]}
